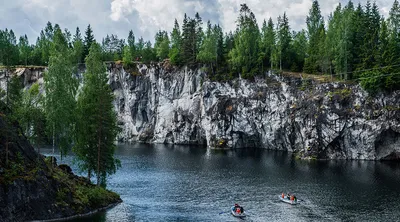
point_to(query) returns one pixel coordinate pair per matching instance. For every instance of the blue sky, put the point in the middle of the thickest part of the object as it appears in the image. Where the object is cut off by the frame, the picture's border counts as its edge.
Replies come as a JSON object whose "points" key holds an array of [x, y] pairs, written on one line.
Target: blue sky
{"points": [[146, 17]]}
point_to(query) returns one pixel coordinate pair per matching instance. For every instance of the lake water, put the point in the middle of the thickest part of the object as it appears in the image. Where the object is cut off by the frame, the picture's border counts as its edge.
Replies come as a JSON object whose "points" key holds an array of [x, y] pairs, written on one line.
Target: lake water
{"points": [[182, 183]]}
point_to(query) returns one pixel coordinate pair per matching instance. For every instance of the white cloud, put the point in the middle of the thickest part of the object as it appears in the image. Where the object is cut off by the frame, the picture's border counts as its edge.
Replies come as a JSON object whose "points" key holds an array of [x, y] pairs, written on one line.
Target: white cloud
{"points": [[146, 17]]}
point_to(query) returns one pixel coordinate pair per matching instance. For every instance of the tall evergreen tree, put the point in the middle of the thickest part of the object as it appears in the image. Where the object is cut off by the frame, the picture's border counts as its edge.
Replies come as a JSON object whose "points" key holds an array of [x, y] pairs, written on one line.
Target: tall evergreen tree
{"points": [[208, 49], [24, 49], [244, 55], [131, 44], [161, 45], [96, 128], [299, 49], [78, 46], [315, 23], [89, 39], [174, 53], [282, 53]]}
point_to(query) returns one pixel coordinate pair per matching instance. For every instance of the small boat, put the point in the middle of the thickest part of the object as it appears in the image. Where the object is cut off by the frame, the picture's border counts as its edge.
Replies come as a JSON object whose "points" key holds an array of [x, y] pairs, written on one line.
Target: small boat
{"points": [[287, 200], [240, 215]]}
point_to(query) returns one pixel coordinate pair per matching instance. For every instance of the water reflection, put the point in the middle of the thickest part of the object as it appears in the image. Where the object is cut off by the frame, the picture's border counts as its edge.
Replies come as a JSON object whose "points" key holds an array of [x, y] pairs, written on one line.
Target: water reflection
{"points": [[182, 183]]}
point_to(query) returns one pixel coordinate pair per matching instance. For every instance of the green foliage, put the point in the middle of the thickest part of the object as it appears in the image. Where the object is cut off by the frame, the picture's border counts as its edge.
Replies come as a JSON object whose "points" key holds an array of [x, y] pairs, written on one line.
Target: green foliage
{"points": [[127, 59], [355, 40], [244, 55], [89, 40], [267, 44], [281, 54], [61, 87], [192, 35], [176, 41], [371, 81], [98, 196], [161, 45], [113, 48], [78, 47], [96, 126], [9, 53], [315, 24], [15, 169]]}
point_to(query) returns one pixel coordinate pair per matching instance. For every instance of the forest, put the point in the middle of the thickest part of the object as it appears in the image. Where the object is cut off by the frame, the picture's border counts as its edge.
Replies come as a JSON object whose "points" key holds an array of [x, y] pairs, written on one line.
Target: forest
{"points": [[356, 43]]}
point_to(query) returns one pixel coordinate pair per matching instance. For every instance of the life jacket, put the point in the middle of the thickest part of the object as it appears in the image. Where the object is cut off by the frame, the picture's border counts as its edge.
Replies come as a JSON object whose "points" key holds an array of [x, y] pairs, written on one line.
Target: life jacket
{"points": [[283, 195], [238, 210], [292, 197]]}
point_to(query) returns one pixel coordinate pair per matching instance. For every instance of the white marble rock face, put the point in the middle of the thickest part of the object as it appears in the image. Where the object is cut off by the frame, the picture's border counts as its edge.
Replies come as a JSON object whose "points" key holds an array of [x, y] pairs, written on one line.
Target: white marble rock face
{"points": [[322, 120]]}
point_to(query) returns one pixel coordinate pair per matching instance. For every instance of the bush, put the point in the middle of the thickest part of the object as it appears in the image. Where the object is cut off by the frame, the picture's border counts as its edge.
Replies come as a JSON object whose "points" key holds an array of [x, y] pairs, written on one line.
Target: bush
{"points": [[98, 196]]}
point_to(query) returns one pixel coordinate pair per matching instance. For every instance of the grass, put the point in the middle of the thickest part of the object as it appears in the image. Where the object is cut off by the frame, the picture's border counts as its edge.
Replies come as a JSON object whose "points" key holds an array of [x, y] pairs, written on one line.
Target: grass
{"points": [[322, 78], [80, 193]]}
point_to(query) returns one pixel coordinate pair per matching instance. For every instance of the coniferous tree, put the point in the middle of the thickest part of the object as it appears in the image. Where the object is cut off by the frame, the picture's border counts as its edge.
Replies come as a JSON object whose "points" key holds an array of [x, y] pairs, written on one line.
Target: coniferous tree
{"points": [[174, 53], [24, 49], [299, 48], [78, 46], [161, 46], [96, 128], [244, 55], [283, 43], [89, 39], [267, 43], [315, 23], [131, 44], [208, 49], [359, 35]]}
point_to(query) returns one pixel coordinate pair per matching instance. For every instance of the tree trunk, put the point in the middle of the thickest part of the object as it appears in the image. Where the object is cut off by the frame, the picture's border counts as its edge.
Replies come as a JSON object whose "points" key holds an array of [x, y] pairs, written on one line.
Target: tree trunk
{"points": [[99, 146], [98, 161], [53, 143], [7, 151], [7, 99]]}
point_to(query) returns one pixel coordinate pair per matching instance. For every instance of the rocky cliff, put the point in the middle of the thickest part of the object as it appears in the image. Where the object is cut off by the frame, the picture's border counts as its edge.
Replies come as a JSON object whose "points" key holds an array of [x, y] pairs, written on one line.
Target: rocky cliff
{"points": [[158, 104], [280, 112]]}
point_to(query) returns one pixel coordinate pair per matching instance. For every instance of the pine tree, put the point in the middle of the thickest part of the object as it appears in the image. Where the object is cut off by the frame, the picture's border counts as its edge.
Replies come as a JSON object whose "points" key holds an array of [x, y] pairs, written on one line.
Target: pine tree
{"points": [[89, 39], [282, 53], [24, 49], [315, 23], [131, 44], [359, 35], [208, 53], [78, 46], [174, 53], [161, 45], [96, 128], [244, 55], [299, 47], [394, 17]]}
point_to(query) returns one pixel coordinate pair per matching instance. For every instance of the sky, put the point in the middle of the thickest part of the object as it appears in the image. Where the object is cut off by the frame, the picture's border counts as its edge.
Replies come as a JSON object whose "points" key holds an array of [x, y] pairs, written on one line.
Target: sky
{"points": [[146, 17]]}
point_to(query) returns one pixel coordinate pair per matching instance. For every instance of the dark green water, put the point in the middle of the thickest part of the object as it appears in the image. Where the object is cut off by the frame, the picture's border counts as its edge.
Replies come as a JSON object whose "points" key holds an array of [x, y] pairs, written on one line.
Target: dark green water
{"points": [[181, 183]]}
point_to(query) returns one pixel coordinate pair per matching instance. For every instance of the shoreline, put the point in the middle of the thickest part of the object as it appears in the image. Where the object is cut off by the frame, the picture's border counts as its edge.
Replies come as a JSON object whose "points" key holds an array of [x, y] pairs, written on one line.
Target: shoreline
{"points": [[80, 215]]}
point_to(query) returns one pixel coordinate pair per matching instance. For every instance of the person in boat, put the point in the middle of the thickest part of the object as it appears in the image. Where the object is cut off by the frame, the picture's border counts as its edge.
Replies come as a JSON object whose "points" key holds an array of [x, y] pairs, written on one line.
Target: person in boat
{"points": [[288, 196], [283, 195], [238, 209]]}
